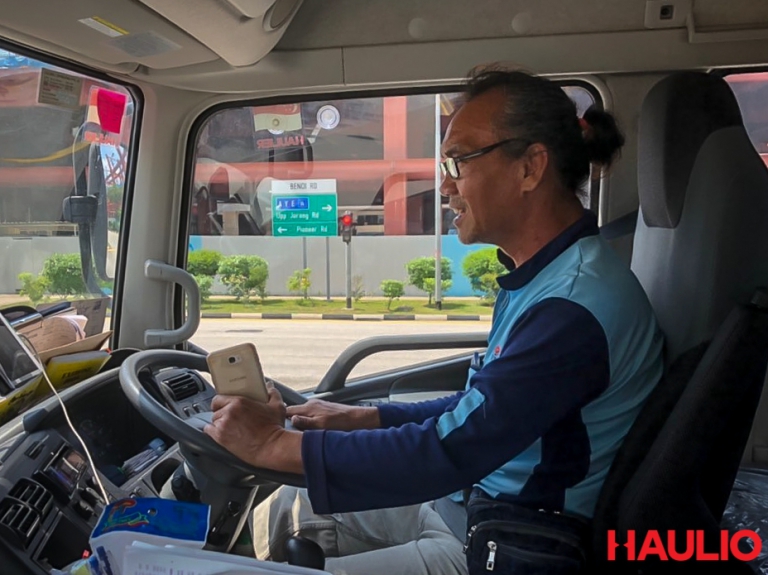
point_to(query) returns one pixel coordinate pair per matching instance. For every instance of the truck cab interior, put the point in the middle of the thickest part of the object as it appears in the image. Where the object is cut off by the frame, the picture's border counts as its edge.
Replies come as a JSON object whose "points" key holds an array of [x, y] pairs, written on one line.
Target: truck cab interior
{"points": [[686, 206]]}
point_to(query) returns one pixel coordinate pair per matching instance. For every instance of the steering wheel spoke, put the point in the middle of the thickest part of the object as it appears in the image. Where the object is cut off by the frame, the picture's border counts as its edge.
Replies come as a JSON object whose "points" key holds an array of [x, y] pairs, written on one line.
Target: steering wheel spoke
{"points": [[202, 452]]}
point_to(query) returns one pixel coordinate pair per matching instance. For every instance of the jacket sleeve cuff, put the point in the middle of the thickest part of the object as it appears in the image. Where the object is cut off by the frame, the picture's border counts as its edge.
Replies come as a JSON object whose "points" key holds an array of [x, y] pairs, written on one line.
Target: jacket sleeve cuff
{"points": [[313, 458], [392, 415]]}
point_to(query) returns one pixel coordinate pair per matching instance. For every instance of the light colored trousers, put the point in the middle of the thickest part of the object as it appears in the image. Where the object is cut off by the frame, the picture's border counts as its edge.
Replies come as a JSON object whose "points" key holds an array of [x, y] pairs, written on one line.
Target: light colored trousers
{"points": [[411, 540]]}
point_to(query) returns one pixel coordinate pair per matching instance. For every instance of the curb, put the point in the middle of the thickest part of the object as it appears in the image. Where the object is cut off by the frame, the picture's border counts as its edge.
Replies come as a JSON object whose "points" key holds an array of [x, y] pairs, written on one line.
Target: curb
{"points": [[347, 316]]}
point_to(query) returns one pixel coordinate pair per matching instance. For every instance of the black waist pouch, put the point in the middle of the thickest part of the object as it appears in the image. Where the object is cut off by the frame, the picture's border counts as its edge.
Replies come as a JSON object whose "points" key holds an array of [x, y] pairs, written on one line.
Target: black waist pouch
{"points": [[505, 538]]}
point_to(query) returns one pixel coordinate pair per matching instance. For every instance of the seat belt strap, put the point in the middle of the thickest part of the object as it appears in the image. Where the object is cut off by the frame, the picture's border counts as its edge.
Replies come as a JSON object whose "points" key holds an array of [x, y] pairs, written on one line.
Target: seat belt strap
{"points": [[620, 227]]}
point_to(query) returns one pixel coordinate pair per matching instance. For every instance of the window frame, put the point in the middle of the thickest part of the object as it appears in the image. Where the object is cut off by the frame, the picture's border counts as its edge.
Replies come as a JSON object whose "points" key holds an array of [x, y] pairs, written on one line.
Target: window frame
{"points": [[185, 206], [131, 160]]}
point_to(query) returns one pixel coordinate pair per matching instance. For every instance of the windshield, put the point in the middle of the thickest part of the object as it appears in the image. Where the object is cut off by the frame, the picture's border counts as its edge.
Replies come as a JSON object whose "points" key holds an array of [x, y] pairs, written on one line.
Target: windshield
{"points": [[65, 140], [325, 213]]}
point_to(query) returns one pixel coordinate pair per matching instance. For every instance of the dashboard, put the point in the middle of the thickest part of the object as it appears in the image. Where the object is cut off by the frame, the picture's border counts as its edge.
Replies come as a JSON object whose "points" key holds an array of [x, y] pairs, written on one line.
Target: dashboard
{"points": [[49, 499]]}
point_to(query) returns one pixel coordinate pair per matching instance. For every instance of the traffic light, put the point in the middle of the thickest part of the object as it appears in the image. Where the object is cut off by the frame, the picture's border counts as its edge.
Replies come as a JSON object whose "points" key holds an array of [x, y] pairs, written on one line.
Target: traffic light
{"points": [[346, 224]]}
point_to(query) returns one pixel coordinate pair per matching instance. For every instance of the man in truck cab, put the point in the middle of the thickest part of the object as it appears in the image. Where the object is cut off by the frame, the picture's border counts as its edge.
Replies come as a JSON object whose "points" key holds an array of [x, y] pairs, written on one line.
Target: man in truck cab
{"points": [[573, 352]]}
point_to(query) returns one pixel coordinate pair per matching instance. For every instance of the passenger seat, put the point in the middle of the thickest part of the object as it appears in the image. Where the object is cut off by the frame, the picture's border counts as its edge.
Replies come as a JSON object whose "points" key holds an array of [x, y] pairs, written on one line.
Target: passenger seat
{"points": [[701, 253]]}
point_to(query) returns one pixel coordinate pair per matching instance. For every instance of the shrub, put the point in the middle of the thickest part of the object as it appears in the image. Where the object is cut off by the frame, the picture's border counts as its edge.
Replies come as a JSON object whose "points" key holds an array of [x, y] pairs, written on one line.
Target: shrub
{"points": [[392, 289], [300, 282], [34, 287], [203, 262], [358, 292], [244, 276], [429, 286], [204, 284], [64, 274], [482, 268], [422, 269]]}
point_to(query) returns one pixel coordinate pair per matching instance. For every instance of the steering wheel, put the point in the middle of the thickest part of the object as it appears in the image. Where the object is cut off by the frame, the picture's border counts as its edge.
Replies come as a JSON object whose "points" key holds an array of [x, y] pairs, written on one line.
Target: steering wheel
{"points": [[199, 449]]}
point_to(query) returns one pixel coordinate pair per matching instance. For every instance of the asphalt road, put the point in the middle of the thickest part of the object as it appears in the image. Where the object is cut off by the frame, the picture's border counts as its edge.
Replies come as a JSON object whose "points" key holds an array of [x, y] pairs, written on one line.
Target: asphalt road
{"points": [[299, 352]]}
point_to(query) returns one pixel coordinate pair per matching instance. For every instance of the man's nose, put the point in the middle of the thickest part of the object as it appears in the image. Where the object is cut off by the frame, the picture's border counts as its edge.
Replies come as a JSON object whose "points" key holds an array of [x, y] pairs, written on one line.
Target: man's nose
{"points": [[448, 186]]}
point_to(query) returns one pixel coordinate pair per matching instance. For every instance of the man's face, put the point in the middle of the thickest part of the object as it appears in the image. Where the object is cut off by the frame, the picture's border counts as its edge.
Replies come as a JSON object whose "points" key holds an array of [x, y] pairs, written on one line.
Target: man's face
{"points": [[486, 195]]}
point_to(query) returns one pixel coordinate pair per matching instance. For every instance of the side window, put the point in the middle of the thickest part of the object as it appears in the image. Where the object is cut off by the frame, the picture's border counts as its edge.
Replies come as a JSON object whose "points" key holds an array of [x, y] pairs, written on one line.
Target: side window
{"points": [[274, 188], [65, 140], [751, 91]]}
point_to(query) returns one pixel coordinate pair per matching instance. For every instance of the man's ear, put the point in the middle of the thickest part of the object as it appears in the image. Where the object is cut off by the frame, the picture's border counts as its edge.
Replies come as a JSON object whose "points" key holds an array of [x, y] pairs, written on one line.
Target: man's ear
{"points": [[534, 164]]}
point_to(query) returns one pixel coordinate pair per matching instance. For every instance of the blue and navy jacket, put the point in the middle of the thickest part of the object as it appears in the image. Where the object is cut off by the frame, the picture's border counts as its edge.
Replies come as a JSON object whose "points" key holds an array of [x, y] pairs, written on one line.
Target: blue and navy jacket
{"points": [[574, 350]]}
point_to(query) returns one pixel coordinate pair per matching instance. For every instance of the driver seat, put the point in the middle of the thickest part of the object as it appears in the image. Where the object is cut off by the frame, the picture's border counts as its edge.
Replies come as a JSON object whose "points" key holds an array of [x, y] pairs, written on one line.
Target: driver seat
{"points": [[703, 218]]}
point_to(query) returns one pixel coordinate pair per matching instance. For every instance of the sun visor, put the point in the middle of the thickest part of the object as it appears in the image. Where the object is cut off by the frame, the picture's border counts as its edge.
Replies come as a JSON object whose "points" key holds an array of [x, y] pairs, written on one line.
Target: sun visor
{"points": [[241, 32]]}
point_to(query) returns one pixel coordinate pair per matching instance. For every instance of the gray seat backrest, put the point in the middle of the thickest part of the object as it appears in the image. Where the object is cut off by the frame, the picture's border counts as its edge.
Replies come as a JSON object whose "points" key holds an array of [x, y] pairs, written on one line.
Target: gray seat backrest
{"points": [[701, 242]]}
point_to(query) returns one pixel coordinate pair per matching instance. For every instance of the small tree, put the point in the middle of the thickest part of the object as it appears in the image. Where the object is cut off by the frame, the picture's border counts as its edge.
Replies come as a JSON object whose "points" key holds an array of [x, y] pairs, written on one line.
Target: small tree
{"points": [[429, 286], [203, 262], [204, 284], [258, 278], [244, 276], [64, 274], [482, 268], [300, 282], [34, 287], [422, 269], [358, 292], [392, 289]]}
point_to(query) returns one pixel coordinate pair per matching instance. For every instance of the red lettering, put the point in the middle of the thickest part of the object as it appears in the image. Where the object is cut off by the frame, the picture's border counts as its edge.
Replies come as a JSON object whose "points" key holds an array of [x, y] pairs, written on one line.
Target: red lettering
{"points": [[613, 545], [281, 142], [757, 545], [701, 554], [690, 546], [652, 545], [630, 545], [724, 545]]}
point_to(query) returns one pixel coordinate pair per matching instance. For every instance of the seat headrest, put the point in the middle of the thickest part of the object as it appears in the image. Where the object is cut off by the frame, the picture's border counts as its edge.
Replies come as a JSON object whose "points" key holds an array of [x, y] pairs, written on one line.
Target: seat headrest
{"points": [[678, 115]]}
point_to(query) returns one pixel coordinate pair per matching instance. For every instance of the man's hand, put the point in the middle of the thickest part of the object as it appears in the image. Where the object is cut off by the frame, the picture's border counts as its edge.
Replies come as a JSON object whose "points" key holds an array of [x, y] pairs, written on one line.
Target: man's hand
{"points": [[255, 432], [318, 414]]}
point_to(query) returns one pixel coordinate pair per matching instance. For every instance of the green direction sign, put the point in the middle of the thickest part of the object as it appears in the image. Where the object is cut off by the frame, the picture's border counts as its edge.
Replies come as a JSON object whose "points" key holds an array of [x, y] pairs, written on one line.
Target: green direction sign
{"points": [[304, 208], [305, 230]]}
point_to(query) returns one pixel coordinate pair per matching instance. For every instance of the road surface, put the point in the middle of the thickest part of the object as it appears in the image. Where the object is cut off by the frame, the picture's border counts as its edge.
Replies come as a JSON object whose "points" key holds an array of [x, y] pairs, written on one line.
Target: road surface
{"points": [[299, 352]]}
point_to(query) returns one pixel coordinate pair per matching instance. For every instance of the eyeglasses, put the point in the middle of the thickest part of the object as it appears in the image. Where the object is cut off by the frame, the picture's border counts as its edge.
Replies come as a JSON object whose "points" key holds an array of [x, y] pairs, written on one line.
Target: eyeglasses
{"points": [[450, 166]]}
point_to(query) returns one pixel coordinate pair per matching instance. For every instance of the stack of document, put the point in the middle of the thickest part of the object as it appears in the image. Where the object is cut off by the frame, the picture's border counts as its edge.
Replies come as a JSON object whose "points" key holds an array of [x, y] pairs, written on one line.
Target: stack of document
{"points": [[76, 329], [69, 343], [144, 559]]}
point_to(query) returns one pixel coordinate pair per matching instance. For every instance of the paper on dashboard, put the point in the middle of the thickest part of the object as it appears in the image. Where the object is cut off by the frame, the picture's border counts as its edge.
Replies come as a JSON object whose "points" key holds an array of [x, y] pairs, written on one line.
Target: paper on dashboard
{"points": [[95, 309], [88, 344], [55, 331], [146, 559], [96, 312]]}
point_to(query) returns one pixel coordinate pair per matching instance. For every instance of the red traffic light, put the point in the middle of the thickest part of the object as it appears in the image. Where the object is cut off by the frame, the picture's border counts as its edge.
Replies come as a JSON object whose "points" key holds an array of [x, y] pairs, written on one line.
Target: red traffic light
{"points": [[346, 220]]}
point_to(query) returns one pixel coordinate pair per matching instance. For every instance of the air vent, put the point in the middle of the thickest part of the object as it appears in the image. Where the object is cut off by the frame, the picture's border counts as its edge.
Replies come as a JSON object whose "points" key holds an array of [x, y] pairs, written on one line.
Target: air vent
{"points": [[34, 495], [18, 521], [182, 386]]}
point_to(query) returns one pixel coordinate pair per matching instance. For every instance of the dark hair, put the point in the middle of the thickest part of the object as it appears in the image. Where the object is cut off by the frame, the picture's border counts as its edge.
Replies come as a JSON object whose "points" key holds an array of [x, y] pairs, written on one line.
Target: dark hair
{"points": [[539, 111]]}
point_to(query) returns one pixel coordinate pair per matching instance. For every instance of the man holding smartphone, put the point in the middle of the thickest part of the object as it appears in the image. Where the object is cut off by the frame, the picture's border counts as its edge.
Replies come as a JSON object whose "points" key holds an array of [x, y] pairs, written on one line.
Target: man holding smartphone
{"points": [[574, 350]]}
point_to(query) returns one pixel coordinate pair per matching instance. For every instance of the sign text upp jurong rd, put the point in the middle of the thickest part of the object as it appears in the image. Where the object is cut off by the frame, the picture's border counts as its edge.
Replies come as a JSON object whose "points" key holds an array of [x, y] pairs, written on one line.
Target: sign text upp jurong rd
{"points": [[304, 208]]}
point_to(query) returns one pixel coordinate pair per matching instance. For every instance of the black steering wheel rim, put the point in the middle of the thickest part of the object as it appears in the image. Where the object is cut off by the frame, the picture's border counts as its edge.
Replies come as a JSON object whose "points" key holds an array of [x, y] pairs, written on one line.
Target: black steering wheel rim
{"points": [[193, 440]]}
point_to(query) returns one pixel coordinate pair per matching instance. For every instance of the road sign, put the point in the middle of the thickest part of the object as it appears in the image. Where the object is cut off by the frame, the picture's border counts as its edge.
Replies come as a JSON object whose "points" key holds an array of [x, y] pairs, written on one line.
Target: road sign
{"points": [[306, 230], [302, 208]]}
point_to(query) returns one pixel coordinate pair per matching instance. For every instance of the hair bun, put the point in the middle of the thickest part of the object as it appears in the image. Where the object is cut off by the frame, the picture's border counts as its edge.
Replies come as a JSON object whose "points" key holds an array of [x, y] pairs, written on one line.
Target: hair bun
{"points": [[601, 135]]}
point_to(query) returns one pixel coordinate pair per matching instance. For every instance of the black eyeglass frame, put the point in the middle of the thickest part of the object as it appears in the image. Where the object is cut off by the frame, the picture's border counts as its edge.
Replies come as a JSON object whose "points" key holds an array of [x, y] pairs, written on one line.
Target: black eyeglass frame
{"points": [[451, 165]]}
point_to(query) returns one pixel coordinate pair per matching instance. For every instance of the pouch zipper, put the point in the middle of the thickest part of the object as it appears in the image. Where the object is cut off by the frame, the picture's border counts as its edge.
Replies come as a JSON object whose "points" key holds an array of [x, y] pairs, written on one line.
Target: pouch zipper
{"points": [[491, 563], [494, 547], [521, 528]]}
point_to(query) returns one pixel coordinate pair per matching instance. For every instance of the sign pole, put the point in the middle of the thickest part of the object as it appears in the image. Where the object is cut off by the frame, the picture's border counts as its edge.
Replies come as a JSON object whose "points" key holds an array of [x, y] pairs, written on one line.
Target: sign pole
{"points": [[304, 252], [438, 212], [327, 268], [349, 274]]}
